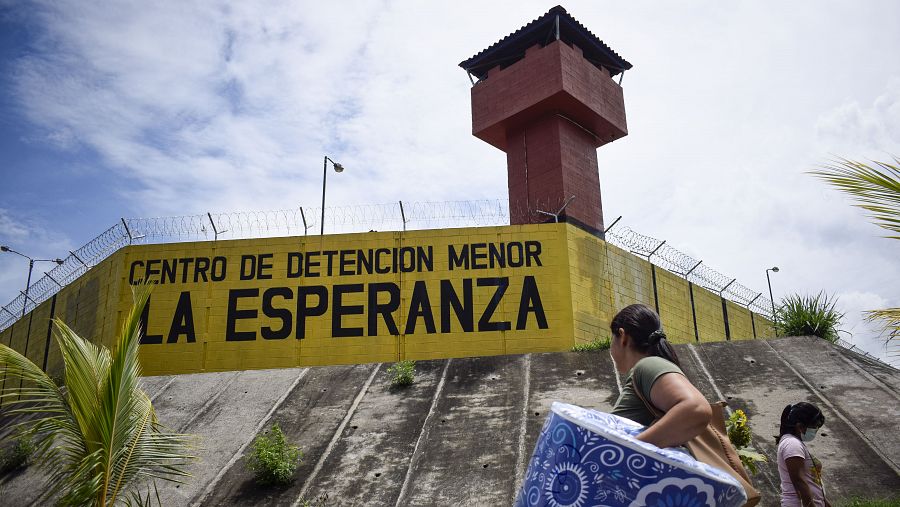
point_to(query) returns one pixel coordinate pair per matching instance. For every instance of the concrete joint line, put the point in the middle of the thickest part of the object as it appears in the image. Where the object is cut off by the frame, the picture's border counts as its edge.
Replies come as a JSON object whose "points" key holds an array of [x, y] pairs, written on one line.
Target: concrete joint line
{"points": [[709, 376], [887, 461], [522, 461], [162, 389], [425, 426], [240, 452], [209, 403], [618, 378], [337, 435], [721, 396], [875, 380]]}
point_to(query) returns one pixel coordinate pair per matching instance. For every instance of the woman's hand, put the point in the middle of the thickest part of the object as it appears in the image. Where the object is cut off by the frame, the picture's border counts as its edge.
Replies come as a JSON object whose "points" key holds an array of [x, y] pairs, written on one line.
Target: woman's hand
{"points": [[686, 411]]}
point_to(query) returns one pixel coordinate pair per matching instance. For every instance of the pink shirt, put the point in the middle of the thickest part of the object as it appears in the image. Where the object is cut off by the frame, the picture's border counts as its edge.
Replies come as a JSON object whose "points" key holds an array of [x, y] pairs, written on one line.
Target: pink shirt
{"points": [[790, 447]]}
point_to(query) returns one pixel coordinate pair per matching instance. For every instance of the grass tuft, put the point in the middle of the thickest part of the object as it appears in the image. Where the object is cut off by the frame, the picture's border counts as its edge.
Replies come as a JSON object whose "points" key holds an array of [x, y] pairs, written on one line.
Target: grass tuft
{"points": [[809, 316], [16, 456], [592, 346], [403, 373], [871, 502]]}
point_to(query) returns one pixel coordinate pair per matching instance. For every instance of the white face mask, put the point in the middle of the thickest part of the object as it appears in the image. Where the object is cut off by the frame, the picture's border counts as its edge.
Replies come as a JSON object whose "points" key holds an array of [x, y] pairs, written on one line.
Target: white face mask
{"points": [[809, 434]]}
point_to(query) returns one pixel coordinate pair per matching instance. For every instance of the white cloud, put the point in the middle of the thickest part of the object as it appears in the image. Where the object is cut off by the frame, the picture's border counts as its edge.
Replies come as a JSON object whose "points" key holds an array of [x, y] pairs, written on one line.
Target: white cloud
{"points": [[864, 131], [868, 336], [10, 228]]}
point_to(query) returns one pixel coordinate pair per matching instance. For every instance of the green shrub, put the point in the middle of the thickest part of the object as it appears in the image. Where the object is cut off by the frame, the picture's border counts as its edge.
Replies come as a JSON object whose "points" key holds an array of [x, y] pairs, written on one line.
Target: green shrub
{"points": [[598, 344], [402, 373], [16, 456], [809, 316], [274, 460]]}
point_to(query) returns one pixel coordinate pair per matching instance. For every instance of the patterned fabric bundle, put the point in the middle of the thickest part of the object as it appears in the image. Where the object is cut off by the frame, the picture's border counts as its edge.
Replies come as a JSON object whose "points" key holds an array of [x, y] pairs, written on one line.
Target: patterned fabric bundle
{"points": [[587, 458]]}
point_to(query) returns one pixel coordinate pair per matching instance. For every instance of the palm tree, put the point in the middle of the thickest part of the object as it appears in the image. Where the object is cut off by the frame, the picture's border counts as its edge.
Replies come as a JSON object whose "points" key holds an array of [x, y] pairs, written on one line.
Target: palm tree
{"points": [[98, 436], [876, 189]]}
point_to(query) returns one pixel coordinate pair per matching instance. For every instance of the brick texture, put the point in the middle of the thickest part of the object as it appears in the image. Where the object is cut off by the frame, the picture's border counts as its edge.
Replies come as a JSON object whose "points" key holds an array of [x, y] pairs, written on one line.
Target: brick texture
{"points": [[549, 112]]}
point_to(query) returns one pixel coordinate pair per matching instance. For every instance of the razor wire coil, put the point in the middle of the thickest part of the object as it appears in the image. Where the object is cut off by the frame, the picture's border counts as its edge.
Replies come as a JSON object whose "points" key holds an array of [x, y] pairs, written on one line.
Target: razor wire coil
{"points": [[355, 218], [358, 218]]}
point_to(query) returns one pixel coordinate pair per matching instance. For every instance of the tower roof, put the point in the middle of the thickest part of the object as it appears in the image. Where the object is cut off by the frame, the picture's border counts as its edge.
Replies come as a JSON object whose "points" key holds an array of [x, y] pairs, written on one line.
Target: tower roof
{"points": [[556, 24]]}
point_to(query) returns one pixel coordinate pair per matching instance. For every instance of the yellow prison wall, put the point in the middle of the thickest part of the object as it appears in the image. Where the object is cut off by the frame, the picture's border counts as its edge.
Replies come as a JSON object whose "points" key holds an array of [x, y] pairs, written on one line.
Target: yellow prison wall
{"points": [[267, 310], [380, 296], [675, 306], [740, 327]]}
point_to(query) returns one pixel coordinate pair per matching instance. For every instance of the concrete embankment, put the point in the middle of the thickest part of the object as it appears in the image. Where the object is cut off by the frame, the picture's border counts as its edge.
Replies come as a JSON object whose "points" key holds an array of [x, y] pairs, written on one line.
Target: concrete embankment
{"points": [[461, 435]]}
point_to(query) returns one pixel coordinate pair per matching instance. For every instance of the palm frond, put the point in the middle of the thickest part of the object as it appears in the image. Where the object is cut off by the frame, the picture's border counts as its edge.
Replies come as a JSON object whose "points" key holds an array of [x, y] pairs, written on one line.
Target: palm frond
{"points": [[874, 188], [888, 319], [99, 434]]}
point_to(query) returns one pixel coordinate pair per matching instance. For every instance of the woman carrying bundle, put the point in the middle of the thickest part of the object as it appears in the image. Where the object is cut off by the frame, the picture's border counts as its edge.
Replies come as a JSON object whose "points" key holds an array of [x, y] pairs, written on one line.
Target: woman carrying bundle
{"points": [[640, 350]]}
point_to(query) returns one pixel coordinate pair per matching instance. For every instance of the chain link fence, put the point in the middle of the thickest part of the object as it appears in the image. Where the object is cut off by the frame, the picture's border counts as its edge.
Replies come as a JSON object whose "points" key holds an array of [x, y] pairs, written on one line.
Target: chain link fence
{"points": [[361, 218]]}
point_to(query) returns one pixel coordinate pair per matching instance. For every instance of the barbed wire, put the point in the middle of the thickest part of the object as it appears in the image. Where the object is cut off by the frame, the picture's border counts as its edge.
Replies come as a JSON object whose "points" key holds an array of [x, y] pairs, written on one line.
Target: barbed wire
{"points": [[693, 270], [853, 348], [74, 265], [358, 218], [361, 218]]}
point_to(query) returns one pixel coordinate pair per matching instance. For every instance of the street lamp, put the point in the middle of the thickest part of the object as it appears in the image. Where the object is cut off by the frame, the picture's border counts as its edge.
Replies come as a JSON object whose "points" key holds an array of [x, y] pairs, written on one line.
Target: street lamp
{"points": [[773, 269], [31, 262], [338, 168]]}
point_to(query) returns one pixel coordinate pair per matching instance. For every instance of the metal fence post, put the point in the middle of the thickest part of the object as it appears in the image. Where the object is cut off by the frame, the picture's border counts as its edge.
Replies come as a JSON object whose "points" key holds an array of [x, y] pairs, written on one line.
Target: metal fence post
{"points": [[403, 216], [303, 217]]}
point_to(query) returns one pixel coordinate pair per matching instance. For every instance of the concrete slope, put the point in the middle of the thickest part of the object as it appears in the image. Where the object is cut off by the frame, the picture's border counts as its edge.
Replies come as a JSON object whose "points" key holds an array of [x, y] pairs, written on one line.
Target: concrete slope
{"points": [[462, 434]]}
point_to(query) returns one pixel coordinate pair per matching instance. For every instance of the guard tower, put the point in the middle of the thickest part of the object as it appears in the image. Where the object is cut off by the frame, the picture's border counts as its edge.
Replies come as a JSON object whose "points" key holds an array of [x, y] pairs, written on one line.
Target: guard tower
{"points": [[545, 95]]}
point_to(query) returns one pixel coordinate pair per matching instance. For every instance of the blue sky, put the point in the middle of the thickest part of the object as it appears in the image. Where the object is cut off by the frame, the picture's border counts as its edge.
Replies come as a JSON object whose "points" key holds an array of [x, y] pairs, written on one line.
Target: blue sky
{"points": [[137, 109]]}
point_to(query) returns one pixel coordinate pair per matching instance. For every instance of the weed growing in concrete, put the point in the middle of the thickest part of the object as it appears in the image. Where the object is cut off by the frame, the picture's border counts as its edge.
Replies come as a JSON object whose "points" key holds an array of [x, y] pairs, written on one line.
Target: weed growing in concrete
{"points": [[809, 316], [738, 428], [598, 344], [274, 460], [402, 373], [16, 456], [319, 501]]}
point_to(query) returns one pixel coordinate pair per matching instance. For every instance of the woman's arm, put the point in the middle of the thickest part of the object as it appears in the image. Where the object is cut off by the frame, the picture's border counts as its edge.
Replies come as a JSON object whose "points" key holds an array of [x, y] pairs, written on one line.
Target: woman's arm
{"points": [[686, 411], [795, 466]]}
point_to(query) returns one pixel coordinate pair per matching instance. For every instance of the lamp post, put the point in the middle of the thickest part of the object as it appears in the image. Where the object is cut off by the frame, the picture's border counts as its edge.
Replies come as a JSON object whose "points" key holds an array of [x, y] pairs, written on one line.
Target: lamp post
{"points": [[31, 262], [338, 168], [773, 269]]}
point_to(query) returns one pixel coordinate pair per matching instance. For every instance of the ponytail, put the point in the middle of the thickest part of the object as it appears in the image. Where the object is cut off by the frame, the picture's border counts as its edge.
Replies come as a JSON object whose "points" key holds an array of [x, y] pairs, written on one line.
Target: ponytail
{"points": [[662, 347], [785, 427], [642, 324], [802, 412]]}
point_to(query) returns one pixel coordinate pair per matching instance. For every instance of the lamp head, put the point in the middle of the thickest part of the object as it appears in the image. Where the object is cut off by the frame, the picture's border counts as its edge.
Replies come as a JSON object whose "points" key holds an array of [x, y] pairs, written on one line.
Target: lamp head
{"points": [[338, 168], [4, 248], [58, 261], [775, 269]]}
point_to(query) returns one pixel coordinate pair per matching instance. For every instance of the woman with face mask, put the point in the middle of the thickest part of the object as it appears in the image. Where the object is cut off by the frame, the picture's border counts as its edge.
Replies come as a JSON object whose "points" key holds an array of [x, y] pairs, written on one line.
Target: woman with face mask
{"points": [[801, 473]]}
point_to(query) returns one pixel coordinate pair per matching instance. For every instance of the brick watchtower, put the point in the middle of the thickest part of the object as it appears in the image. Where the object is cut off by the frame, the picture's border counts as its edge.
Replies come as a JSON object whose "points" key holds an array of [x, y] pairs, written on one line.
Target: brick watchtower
{"points": [[545, 96]]}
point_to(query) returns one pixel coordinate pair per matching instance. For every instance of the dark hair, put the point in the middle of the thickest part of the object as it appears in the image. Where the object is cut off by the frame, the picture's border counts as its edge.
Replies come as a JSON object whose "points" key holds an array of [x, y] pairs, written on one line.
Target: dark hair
{"points": [[642, 324], [803, 413]]}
